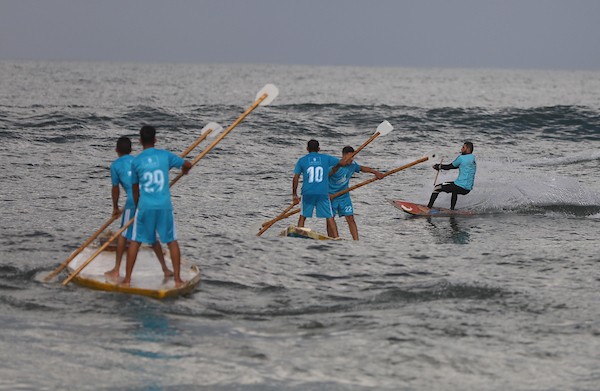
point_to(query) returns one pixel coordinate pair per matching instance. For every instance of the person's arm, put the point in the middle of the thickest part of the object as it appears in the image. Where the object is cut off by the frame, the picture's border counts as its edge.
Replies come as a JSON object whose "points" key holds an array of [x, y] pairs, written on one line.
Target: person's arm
{"points": [[341, 162], [438, 167], [186, 167], [115, 192], [370, 170], [135, 190], [295, 198], [334, 169]]}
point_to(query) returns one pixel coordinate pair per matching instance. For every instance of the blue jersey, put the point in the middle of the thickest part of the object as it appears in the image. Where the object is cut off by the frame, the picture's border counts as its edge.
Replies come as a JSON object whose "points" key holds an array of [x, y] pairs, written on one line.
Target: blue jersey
{"points": [[315, 168], [466, 171], [120, 174], [341, 178], [150, 169]]}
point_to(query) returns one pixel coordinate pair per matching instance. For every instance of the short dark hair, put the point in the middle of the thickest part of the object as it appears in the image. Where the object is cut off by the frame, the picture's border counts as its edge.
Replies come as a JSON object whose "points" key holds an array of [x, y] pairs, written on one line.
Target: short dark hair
{"points": [[312, 146], [124, 145], [147, 134], [469, 145], [347, 149]]}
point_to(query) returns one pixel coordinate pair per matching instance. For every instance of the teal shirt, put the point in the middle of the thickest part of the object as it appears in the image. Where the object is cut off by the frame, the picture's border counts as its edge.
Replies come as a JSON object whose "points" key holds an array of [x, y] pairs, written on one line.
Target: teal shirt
{"points": [[120, 174], [150, 169], [466, 171], [341, 178], [315, 168]]}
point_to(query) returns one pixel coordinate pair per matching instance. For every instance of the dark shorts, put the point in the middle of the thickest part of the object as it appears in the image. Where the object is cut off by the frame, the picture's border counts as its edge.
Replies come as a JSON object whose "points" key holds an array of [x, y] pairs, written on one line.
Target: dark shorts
{"points": [[450, 187]]}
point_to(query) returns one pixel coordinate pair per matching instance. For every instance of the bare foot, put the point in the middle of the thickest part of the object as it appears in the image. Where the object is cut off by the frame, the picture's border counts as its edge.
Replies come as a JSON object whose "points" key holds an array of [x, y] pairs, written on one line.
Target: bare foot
{"points": [[112, 274], [168, 273], [179, 283], [125, 283]]}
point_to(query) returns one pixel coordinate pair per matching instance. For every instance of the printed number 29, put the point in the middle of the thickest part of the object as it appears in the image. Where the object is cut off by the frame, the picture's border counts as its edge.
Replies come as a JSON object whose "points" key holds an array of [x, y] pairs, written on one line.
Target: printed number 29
{"points": [[153, 181], [315, 174]]}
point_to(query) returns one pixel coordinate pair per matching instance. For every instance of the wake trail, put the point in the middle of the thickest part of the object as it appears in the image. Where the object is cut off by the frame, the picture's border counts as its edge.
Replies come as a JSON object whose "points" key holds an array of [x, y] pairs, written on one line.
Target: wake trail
{"points": [[522, 187]]}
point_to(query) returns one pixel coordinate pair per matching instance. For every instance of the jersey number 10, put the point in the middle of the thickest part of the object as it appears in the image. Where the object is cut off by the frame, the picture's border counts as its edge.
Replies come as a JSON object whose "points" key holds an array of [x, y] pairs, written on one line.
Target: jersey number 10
{"points": [[315, 174]]}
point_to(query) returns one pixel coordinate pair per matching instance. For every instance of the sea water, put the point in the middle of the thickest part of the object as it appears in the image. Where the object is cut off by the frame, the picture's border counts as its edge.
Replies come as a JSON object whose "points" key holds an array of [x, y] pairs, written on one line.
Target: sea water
{"points": [[507, 299]]}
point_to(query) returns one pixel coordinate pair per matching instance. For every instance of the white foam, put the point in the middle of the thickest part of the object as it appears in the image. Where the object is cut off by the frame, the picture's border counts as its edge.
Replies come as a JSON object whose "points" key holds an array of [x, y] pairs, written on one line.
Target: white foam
{"points": [[511, 185]]}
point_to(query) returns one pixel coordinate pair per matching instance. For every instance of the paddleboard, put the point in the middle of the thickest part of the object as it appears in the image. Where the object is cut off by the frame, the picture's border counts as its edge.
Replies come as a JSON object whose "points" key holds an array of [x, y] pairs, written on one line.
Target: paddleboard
{"points": [[147, 278], [423, 210], [305, 233]]}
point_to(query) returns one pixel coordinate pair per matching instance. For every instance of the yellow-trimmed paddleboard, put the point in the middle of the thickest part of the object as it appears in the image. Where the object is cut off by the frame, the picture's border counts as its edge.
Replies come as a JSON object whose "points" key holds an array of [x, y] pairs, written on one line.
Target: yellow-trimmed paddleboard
{"points": [[305, 233], [147, 278]]}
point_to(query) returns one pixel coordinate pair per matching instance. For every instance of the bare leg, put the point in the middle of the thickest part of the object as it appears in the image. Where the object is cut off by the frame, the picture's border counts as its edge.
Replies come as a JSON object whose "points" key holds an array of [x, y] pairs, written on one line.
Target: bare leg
{"points": [[161, 258], [352, 226], [131, 258], [332, 227], [176, 259], [301, 221], [329, 233], [114, 272]]}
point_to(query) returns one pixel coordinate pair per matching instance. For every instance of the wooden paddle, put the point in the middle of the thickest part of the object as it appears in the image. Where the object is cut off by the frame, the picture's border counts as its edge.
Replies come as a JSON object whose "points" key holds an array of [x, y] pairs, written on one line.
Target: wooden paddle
{"points": [[269, 223], [211, 128], [438, 172], [60, 268], [264, 97], [430, 156], [384, 128]]}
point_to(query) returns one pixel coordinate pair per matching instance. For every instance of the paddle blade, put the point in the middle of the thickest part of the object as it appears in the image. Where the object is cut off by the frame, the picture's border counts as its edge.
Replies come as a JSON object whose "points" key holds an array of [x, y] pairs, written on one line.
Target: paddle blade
{"points": [[432, 155], [271, 92], [384, 128], [216, 129]]}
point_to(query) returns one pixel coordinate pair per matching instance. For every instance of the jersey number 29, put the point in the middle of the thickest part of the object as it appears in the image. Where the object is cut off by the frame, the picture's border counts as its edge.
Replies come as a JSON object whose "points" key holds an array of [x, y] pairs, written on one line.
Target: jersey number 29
{"points": [[153, 181]]}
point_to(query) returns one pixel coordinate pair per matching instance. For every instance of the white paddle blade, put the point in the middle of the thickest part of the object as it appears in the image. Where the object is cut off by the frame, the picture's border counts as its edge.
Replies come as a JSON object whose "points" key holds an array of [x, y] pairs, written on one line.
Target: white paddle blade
{"points": [[271, 92], [433, 155], [384, 128], [216, 129]]}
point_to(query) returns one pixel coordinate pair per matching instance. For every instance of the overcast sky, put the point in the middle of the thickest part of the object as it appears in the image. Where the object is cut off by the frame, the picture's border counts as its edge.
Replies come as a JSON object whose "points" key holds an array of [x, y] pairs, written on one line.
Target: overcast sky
{"points": [[542, 34]]}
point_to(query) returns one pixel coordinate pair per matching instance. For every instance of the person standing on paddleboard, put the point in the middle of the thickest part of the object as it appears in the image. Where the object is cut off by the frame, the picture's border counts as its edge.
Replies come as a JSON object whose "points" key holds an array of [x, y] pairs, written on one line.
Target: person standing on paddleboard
{"points": [[150, 188], [120, 175], [338, 181], [314, 168], [467, 167]]}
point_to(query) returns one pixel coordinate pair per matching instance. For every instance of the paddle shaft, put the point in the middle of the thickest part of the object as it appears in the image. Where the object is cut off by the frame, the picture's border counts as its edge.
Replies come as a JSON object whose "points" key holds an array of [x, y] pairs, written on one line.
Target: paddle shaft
{"points": [[196, 143], [269, 223], [395, 170], [373, 137], [438, 172], [97, 252], [63, 265], [194, 162], [112, 219], [222, 135]]}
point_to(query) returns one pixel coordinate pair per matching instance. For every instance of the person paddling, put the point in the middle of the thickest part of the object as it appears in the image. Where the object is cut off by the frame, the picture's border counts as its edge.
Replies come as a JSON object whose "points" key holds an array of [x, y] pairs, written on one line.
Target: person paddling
{"points": [[463, 184], [314, 168], [120, 174], [150, 187], [338, 181]]}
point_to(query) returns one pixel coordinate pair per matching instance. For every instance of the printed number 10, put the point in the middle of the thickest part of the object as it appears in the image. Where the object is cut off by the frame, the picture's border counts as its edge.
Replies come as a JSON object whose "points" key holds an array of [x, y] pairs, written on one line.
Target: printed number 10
{"points": [[315, 174]]}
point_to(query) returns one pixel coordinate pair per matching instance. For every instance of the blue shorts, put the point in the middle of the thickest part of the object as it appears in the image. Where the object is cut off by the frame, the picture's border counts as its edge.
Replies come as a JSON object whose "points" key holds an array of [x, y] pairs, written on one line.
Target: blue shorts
{"points": [[127, 215], [319, 201], [342, 205], [151, 222]]}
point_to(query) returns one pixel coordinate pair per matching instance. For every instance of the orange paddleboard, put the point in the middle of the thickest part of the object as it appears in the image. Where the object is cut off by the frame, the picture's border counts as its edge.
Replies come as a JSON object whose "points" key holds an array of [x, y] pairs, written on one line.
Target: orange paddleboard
{"points": [[422, 210]]}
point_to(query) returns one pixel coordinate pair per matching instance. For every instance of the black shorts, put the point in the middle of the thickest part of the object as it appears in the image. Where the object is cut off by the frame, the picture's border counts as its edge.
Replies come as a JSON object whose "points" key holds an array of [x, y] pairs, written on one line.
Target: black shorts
{"points": [[450, 187]]}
